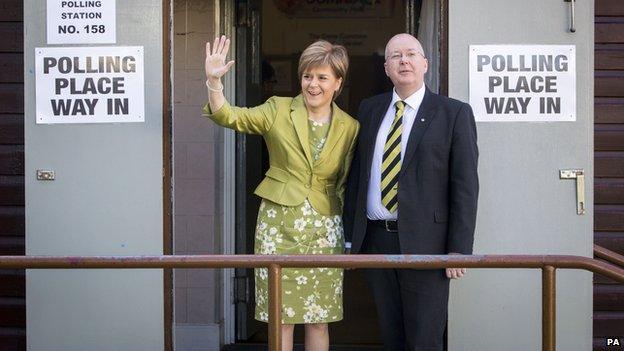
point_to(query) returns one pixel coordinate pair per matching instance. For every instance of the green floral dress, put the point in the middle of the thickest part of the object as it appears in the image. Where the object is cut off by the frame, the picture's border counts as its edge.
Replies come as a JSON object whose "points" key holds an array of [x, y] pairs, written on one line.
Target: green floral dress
{"points": [[309, 295]]}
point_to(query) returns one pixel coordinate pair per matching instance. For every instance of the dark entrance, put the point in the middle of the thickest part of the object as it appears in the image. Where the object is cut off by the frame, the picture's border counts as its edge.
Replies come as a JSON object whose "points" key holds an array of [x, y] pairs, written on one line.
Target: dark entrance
{"points": [[270, 37]]}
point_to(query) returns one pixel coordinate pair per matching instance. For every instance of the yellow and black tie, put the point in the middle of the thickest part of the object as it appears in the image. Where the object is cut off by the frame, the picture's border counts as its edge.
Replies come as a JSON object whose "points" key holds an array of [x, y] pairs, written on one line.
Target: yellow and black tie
{"points": [[391, 161]]}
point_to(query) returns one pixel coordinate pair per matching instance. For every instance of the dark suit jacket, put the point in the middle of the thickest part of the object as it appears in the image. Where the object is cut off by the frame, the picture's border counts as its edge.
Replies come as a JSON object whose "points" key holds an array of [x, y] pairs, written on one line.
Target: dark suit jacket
{"points": [[438, 182]]}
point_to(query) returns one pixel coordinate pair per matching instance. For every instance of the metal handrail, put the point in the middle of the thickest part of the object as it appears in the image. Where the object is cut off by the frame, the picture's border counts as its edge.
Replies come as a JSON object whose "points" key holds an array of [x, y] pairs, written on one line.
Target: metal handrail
{"points": [[547, 263], [608, 255]]}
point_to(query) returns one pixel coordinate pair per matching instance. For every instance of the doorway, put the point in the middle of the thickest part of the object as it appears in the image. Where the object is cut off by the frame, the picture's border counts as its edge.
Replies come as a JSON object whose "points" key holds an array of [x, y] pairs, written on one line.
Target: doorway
{"points": [[270, 36]]}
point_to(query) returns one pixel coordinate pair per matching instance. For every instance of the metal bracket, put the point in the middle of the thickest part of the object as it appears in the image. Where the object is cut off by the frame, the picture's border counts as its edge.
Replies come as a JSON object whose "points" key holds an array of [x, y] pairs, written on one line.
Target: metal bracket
{"points": [[572, 15], [579, 175]]}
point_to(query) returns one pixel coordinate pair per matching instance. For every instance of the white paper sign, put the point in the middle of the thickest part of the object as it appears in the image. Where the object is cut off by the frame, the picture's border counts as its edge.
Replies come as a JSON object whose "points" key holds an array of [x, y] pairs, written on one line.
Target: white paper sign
{"points": [[81, 22], [89, 85], [523, 83]]}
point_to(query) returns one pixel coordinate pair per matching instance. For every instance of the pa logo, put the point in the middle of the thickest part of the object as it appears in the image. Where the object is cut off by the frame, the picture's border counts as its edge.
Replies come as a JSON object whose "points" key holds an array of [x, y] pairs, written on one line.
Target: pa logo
{"points": [[613, 342]]}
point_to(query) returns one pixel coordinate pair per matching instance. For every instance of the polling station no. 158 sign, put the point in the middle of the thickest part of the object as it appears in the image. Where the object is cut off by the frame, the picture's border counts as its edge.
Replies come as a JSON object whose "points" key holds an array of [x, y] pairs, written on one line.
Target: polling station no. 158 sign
{"points": [[523, 83], [81, 22], [89, 85]]}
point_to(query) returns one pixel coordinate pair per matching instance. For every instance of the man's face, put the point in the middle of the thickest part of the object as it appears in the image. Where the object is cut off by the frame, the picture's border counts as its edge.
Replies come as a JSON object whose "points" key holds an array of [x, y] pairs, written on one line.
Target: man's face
{"points": [[405, 63]]}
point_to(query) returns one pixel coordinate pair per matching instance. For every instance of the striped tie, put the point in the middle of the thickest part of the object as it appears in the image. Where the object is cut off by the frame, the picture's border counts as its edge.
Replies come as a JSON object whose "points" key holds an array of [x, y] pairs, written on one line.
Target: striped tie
{"points": [[391, 161]]}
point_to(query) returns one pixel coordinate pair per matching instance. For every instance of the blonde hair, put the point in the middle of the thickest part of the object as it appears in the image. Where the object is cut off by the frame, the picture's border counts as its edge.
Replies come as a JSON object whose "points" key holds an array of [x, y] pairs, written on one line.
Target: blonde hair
{"points": [[322, 53]]}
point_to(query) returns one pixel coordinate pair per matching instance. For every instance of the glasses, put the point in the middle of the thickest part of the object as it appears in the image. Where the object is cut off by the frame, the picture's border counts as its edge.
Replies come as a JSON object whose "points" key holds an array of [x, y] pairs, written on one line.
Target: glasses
{"points": [[410, 56]]}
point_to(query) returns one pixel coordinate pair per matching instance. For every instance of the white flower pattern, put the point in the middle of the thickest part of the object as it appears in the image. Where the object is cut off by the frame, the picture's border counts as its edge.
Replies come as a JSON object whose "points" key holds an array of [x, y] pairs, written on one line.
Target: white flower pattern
{"points": [[300, 224], [271, 213]]}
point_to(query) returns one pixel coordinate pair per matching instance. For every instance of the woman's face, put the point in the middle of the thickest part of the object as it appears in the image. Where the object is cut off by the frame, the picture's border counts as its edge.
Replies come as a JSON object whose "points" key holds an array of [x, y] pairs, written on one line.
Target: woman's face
{"points": [[318, 86]]}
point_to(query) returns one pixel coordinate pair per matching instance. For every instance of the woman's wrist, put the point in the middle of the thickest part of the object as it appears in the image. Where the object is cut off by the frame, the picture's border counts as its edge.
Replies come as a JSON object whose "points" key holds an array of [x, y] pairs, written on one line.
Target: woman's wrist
{"points": [[214, 84], [213, 81]]}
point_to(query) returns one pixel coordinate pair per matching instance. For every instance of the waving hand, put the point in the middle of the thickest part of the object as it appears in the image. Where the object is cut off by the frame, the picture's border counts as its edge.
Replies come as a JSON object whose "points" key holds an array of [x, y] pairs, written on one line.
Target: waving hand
{"points": [[215, 69], [215, 59]]}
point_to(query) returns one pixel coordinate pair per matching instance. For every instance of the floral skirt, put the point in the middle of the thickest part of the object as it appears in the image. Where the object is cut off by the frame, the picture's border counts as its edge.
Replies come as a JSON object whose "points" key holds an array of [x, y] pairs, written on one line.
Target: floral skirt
{"points": [[309, 295]]}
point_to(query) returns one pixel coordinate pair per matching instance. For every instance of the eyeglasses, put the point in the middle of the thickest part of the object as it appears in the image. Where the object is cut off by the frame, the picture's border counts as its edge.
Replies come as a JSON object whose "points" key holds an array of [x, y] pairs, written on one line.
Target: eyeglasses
{"points": [[410, 56]]}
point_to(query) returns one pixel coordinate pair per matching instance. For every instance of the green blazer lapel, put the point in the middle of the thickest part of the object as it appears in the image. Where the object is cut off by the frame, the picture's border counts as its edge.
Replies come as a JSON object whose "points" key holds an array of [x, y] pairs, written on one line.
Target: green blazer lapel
{"points": [[336, 128], [299, 117]]}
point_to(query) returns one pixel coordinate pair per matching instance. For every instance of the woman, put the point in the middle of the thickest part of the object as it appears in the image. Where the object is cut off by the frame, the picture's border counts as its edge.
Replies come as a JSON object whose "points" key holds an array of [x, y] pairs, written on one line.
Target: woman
{"points": [[311, 143]]}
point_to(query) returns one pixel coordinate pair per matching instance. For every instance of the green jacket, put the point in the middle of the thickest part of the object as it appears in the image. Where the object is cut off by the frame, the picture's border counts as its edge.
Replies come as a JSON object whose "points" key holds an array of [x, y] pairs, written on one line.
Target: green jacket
{"points": [[293, 175]]}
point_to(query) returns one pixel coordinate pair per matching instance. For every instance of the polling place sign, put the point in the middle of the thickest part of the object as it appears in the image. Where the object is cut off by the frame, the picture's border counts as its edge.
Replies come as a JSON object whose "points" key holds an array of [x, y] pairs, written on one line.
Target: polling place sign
{"points": [[523, 83], [89, 85], [81, 22]]}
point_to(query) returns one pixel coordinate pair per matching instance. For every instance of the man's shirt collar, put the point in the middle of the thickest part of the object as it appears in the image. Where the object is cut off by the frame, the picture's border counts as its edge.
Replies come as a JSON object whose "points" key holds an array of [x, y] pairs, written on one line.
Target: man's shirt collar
{"points": [[413, 101]]}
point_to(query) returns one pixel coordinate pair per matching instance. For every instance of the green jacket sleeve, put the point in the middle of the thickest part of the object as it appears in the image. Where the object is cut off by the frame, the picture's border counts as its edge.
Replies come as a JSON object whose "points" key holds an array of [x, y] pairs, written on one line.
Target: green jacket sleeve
{"points": [[254, 120], [344, 172]]}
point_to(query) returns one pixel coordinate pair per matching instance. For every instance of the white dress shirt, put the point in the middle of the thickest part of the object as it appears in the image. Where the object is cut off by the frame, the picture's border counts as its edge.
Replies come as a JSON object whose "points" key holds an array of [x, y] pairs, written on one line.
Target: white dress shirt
{"points": [[375, 210]]}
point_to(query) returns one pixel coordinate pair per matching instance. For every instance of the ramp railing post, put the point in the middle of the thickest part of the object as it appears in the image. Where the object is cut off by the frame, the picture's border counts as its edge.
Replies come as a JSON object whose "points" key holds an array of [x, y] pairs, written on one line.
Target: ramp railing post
{"points": [[548, 308], [275, 311]]}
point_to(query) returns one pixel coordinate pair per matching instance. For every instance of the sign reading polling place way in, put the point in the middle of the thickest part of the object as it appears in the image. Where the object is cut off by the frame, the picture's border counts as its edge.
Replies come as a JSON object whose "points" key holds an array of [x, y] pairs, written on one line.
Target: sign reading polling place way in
{"points": [[523, 83], [81, 22], [89, 85]]}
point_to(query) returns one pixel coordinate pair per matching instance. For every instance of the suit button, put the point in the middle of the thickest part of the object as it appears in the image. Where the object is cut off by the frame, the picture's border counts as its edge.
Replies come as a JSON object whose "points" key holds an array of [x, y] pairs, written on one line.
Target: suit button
{"points": [[307, 186]]}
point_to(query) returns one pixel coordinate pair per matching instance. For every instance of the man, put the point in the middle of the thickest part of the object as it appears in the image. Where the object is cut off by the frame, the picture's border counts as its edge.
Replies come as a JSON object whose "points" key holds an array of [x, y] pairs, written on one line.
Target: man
{"points": [[412, 189]]}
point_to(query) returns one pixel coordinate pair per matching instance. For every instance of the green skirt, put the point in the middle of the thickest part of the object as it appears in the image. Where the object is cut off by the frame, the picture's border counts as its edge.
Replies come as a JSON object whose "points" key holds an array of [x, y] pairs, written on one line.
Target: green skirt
{"points": [[309, 295]]}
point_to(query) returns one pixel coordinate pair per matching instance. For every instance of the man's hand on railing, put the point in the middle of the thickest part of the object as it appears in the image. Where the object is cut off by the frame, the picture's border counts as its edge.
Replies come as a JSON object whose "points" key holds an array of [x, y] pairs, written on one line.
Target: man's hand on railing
{"points": [[455, 273]]}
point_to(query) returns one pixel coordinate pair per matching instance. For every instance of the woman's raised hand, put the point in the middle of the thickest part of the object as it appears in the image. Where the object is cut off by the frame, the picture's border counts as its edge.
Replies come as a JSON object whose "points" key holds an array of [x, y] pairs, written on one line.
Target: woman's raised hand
{"points": [[215, 58]]}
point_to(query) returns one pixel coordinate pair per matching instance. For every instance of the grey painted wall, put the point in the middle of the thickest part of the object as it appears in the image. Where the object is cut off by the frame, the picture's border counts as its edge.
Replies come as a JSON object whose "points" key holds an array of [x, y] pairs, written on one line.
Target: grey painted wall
{"points": [[107, 199], [523, 207]]}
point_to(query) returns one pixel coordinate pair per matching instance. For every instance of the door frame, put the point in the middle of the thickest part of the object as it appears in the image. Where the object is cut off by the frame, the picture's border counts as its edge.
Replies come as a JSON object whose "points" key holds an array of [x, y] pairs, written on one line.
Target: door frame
{"points": [[224, 22], [444, 39], [167, 141]]}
